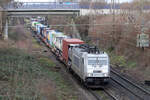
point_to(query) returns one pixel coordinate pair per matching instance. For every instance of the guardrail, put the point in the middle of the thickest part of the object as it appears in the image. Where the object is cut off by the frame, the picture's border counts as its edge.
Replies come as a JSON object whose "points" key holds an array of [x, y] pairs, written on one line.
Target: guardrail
{"points": [[43, 5]]}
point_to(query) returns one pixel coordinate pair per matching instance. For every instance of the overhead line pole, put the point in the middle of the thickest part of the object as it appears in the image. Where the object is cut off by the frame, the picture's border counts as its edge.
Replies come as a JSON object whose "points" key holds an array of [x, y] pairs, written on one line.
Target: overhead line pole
{"points": [[142, 21], [141, 12], [113, 20], [113, 11]]}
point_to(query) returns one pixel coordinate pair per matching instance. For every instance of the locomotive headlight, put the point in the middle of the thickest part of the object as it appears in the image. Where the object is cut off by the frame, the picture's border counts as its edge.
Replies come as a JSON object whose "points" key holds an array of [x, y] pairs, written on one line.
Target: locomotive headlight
{"points": [[105, 74], [105, 69], [89, 74]]}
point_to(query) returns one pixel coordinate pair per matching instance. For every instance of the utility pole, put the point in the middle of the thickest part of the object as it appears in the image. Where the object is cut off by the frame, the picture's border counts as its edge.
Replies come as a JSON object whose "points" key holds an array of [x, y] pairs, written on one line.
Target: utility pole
{"points": [[119, 5], [92, 20], [91, 17], [113, 31], [113, 3], [6, 30], [142, 21], [111, 6], [141, 13], [113, 9]]}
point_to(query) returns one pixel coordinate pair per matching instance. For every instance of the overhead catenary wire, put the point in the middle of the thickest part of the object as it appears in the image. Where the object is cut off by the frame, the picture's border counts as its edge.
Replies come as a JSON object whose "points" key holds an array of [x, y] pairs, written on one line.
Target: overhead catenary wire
{"points": [[131, 44], [82, 24]]}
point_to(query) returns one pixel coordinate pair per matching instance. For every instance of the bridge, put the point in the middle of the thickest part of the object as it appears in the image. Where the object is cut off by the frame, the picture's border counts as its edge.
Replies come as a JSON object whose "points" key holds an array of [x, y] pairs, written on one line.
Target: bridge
{"points": [[22, 9], [44, 8]]}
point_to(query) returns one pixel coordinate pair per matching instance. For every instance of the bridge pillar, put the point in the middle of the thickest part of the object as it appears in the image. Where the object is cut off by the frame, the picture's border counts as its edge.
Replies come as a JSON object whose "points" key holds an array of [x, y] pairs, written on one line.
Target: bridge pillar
{"points": [[6, 30]]}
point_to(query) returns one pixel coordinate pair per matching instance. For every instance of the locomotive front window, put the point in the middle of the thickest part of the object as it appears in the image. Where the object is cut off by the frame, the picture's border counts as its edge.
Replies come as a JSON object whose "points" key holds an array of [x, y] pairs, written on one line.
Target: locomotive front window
{"points": [[96, 61], [91, 62]]}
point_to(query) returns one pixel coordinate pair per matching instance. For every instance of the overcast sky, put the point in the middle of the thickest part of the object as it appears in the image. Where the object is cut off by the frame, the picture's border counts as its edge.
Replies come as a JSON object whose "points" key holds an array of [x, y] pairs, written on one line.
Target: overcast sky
{"points": [[56, 0]]}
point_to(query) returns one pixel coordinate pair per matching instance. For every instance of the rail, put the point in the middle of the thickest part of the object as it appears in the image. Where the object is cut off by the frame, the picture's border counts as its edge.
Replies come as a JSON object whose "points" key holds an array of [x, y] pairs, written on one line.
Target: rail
{"points": [[133, 88], [94, 93], [110, 95]]}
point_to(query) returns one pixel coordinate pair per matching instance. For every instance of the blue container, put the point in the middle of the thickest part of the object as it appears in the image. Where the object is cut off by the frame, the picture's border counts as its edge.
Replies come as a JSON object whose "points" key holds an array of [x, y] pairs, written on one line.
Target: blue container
{"points": [[42, 27], [39, 28]]}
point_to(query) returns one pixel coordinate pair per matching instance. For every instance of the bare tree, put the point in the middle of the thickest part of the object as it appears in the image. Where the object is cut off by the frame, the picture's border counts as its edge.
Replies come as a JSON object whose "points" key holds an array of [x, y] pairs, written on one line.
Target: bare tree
{"points": [[4, 2]]}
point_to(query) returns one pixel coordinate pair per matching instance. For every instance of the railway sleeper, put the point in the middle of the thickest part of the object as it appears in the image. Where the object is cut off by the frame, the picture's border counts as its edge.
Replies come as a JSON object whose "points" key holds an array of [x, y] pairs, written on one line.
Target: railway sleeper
{"points": [[147, 82]]}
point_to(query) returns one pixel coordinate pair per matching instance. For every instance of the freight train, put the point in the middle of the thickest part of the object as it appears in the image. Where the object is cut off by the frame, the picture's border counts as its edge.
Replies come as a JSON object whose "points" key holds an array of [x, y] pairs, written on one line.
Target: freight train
{"points": [[89, 63]]}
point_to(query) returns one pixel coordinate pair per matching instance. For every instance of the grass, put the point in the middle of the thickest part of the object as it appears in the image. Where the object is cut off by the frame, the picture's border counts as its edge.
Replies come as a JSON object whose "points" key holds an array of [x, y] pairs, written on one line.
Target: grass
{"points": [[103, 95], [62, 87], [21, 71], [46, 62], [35, 44]]}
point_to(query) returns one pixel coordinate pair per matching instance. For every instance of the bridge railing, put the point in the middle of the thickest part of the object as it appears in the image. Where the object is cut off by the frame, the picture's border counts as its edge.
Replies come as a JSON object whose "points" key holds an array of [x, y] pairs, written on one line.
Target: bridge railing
{"points": [[44, 5]]}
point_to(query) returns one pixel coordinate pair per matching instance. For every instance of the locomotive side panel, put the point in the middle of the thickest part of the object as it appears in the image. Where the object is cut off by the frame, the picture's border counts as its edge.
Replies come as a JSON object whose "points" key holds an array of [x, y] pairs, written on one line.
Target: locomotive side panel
{"points": [[78, 65]]}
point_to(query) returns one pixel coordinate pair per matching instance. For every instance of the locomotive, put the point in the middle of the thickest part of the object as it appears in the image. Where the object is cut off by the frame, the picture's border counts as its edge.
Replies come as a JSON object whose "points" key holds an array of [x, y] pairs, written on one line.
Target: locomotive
{"points": [[91, 65], [88, 62]]}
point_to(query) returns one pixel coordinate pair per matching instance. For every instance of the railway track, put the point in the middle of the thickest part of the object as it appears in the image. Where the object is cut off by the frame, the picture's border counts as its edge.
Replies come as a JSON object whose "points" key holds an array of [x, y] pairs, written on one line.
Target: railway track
{"points": [[131, 87], [111, 95], [95, 94], [92, 92]]}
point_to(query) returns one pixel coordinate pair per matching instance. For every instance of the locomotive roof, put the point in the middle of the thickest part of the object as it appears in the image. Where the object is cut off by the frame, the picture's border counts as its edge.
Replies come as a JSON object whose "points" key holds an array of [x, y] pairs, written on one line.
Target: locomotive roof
{"points": [[87, 48]]}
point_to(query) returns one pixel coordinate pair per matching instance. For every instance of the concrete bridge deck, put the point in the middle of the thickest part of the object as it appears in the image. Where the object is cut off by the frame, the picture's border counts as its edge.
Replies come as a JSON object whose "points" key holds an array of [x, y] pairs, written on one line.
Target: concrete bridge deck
{"points": [[37, 8]]}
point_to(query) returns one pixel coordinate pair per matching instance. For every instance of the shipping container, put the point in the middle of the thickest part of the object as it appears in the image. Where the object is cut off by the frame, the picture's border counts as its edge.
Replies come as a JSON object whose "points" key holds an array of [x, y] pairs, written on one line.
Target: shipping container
{"points": [[38, 28], [47, 36], [58, 34], [45, 32], [34, 25], [41, 30], [50, 36], [58, 40], [66, 43]]}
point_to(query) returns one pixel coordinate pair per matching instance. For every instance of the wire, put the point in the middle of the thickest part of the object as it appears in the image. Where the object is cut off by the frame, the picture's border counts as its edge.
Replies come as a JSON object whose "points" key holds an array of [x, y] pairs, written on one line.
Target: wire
{"points": [[82, 25]]}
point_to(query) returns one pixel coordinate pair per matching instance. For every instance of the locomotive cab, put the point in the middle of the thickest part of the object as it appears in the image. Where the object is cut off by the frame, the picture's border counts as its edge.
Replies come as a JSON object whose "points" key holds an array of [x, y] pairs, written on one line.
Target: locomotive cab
{"points": [[97, 69]]}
